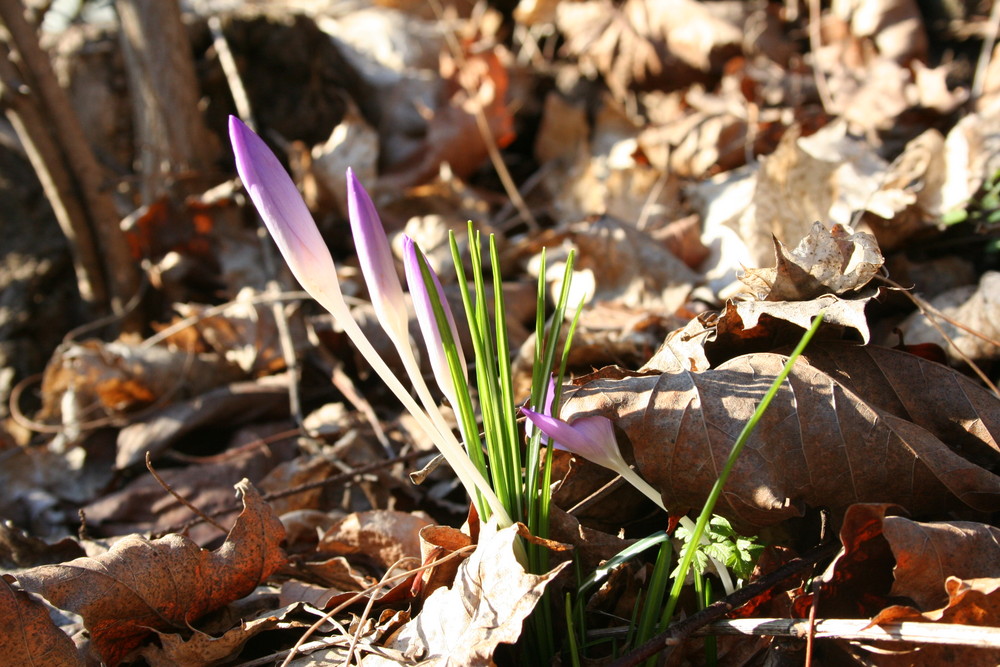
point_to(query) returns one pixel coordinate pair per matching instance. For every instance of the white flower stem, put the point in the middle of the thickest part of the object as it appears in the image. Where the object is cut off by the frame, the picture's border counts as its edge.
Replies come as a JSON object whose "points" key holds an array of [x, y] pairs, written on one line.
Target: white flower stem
{"points": [[444, 439]]}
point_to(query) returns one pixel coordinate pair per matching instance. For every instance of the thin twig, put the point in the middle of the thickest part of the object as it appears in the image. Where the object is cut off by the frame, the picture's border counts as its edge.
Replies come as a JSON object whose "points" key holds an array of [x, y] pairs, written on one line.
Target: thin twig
{"points": [[861, 630], [368, 610], [181, 499], [811, 631], [232, 72]]}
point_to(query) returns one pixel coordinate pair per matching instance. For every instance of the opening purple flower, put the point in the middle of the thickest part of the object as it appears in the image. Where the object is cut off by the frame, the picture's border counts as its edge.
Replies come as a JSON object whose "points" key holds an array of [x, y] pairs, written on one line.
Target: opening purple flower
{"points": [[593, 438]]}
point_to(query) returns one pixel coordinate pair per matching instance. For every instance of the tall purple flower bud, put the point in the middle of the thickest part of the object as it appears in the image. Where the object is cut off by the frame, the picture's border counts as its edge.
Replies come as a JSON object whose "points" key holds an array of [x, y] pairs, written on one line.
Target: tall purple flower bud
{"points": [[377, 264], [285, 214]]}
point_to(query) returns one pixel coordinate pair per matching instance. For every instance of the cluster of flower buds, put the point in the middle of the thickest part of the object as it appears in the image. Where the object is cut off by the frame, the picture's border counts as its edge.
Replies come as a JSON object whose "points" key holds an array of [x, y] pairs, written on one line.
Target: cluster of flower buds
{"points": [[295, 233]]}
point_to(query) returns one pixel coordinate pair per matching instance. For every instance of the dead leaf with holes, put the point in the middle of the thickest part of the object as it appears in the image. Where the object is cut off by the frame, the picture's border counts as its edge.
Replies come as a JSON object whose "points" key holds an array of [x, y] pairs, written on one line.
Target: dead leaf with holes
{"points": [[820, 443], [140, 585]]}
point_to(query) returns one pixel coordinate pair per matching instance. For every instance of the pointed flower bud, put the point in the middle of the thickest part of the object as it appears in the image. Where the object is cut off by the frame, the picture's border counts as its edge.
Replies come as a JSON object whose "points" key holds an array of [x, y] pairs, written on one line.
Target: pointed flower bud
{"points": [[285, 214], [422, 304], [593, 438], [377, 264]]}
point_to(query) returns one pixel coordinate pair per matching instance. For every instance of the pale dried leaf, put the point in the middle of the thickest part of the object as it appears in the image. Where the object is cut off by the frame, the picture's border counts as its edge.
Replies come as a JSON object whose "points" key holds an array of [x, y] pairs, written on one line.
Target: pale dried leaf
{"points": [[489, 600]]}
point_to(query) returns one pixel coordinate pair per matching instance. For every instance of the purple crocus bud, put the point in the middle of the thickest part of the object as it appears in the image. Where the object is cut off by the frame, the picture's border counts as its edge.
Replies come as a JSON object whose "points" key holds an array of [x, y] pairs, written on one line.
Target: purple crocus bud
{"points": [[593, 438], [285, 214], [377, 264], [424, 308]]}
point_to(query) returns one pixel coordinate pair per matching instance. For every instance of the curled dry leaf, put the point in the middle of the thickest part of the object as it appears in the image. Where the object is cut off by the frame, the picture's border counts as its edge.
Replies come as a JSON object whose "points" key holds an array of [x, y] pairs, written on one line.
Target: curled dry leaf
{"points": [[819, 444], [491, 597], [202, 648], [826, 261], [970, 602], [949, 569], [141, 585]]}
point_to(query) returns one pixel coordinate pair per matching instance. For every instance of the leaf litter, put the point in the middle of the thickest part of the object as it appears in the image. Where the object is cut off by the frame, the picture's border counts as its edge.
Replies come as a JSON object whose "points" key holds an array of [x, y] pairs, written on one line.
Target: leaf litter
{"points": [[720, 182]]}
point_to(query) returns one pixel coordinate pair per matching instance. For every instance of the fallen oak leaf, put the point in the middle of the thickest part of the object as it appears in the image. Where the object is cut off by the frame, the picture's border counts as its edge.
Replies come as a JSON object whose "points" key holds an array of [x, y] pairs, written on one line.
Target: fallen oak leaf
{"points": [[930, 555], [144, 585]]}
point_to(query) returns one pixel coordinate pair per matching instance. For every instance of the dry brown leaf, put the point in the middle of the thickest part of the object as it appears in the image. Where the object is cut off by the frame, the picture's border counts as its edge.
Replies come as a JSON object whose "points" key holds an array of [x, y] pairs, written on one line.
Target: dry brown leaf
{"points": [[895, 26], [856, 583], [141, 585], [754, 326], [245, 335], [28, 636], [908, 201], [453, 136], [973, 601], [234, 404], [92, 379], [970, 602], [385, 536], [818, 445], [974, 307], [200, 648], [963, 414], [617, 263], [638, 41], [491, 597]]}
